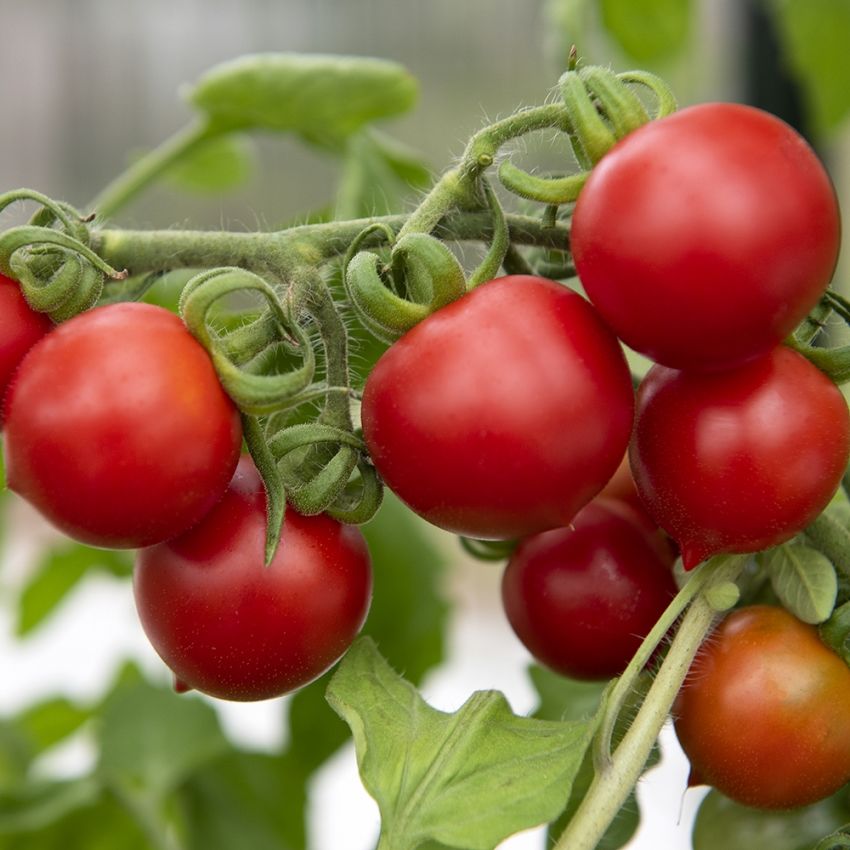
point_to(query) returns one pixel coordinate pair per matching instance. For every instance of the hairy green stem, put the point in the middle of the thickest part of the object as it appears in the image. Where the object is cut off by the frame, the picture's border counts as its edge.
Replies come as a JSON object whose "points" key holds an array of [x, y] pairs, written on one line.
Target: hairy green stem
{"points": [[142, 251], [613, 783], [144, 171]]}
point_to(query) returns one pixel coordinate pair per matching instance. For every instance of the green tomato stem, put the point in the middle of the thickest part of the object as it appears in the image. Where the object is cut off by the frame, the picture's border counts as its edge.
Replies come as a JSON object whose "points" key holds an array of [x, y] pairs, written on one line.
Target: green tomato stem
{"points": [[149, 168], [142, 251], [613, 783]]}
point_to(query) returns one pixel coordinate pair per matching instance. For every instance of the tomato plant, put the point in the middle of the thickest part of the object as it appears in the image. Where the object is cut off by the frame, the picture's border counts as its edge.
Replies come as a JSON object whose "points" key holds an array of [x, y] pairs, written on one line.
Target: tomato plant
{"points": [[722, 218], [116, 427], [582, 598], [503, 413], [742, 460], [500, 410], [231, 627], [20, 328], [763, 715]]}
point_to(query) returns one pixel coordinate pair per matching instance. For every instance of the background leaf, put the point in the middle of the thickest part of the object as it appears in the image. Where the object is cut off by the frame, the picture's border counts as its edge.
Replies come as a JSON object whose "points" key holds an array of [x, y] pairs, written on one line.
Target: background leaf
{"points": [[57, 574], [467, 779], [323, 99], [219, 165], [722, 823], [152, 739], [648, 30], [815, 35]]}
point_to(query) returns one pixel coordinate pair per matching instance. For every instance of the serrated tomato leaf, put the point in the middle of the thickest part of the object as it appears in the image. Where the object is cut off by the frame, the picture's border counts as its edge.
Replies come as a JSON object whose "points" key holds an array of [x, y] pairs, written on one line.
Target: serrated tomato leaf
{"points": [[467, 779]]}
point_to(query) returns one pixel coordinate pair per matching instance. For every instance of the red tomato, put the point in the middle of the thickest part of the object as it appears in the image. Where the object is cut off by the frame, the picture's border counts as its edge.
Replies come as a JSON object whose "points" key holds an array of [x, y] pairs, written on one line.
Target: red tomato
{"points": [[231, 627], [21, 328], [117, 428], [503, 413], [739, 461], [705, 237], [763, 716], [582, 598]]}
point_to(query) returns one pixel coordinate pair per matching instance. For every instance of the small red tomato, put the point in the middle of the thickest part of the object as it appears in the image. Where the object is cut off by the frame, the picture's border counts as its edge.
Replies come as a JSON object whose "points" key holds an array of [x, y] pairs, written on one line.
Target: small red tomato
{"points": [[21, 328], [117, 429], [582, 598], [705, 238], [742, 460], [503, 413], [232, 627], [763, 716]]}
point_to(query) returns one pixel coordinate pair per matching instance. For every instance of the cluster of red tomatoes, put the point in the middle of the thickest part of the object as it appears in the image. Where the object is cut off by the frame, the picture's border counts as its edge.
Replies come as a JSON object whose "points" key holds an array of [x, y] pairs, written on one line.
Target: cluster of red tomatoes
{"points": [[702, 240], [116, 428]]}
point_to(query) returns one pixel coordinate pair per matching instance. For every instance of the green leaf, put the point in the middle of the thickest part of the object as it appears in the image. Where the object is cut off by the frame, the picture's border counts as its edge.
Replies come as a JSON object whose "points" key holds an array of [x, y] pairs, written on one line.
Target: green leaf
{"points": [[814, 34], [240, 800], [722, 823], [151, 739], [467, 779], [804, 580], [324, 99], [35, 806], [219, 165], [648, 30], [102, 825], [47, 723], [58, 573]]}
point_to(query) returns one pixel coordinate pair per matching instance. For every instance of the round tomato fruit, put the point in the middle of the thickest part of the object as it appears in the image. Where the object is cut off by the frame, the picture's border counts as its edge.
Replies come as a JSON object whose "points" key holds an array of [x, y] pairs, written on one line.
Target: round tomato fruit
{"points": [[582, 598], [763, 715], [721, 218], [21, 328], [117, 429], [232, 627], [503, 413], [742, 460]]}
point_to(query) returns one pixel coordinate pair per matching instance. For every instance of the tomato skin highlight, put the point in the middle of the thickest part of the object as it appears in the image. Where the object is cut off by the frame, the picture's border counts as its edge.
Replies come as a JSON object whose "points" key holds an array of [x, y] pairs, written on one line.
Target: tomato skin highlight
{"points": [[21, 328], [739, 461], [706, 237], [117, 429], [233, 628], [582, 598], [763, 714], [503, 413]]}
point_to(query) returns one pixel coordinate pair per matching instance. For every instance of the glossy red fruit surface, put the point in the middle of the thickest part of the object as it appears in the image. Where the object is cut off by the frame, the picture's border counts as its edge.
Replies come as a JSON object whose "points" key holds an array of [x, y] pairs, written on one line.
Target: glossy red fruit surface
{"points": [[704, 238], [117, 429], [503, 413], [763, 715], [742, 460], [582, 598], [233, 628]]}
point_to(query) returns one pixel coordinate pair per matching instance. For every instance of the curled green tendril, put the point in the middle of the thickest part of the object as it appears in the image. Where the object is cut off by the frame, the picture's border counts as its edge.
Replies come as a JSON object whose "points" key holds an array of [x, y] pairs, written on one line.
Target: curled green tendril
{"points": [[345, 486], [59, 275], [423, 276], [495, 256], [545, 190], [245, 358]]}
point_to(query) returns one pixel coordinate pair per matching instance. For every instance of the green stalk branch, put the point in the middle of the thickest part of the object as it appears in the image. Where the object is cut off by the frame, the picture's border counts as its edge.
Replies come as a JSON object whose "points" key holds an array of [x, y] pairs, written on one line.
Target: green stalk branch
{"points": [[613, 783], [141, 251], [144, 171]]}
